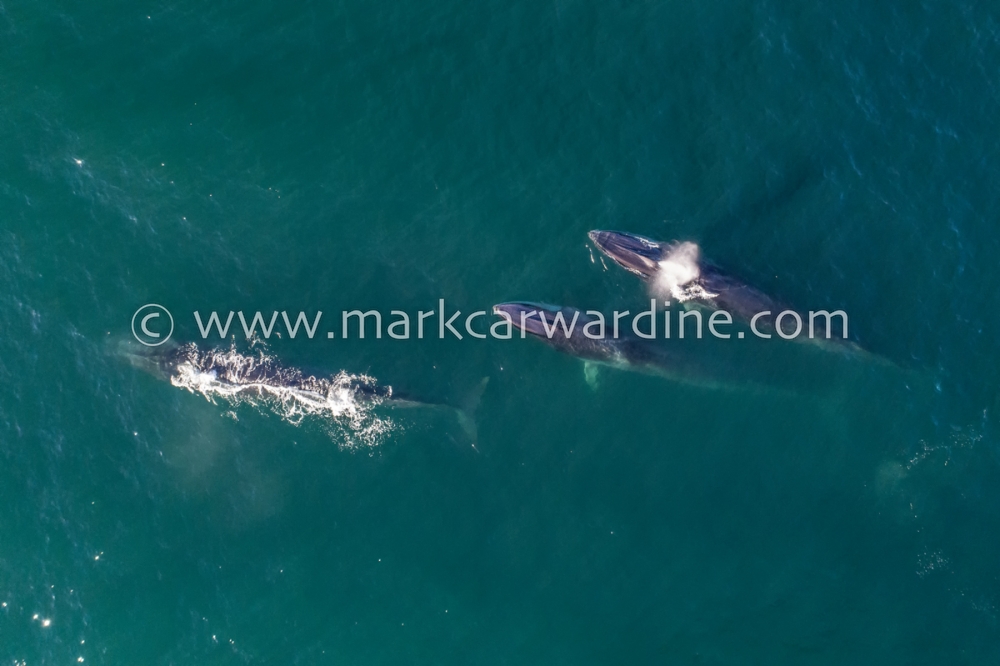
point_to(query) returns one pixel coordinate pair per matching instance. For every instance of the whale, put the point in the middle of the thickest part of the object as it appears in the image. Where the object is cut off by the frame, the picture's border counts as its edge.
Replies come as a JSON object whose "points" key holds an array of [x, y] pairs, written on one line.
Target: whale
{"points": [[677, 270], [234, 373], [234, 376], [710, 366]]}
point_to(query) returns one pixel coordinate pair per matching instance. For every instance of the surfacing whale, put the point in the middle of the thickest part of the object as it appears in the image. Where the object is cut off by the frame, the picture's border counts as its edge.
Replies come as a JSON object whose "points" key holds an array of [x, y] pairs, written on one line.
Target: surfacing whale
{"points": [[678, 271], [262, 380], [705, 363]]}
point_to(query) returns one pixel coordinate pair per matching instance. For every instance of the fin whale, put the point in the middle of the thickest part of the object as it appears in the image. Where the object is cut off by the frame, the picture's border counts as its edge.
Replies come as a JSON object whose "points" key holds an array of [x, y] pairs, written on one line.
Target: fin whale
{"points": [[229, 374], [677, 270], [714, 368]]}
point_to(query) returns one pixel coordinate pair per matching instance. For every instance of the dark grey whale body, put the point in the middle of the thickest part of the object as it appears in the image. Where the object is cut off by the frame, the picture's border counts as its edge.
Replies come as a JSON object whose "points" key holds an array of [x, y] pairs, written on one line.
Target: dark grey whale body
{"points": [[677, 270], [687, 362]]}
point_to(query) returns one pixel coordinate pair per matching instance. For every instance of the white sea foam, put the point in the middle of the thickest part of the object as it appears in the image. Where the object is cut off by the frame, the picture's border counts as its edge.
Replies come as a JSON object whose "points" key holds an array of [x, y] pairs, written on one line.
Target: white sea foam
{"points": [[678, 273], [342, 404], [963, 438]]}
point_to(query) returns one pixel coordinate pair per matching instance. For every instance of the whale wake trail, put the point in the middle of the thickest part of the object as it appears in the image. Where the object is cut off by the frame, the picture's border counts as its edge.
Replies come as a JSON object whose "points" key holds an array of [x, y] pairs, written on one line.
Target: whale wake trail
{"points": [[341, 404]]}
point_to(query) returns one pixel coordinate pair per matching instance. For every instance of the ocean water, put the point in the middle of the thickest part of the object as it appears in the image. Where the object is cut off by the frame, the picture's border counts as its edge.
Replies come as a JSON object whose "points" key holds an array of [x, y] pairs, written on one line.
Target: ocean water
{"points": [[273, 156]]}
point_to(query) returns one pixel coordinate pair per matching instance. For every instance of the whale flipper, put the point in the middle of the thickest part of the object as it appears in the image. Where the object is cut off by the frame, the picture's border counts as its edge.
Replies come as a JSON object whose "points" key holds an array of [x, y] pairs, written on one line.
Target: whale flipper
{"points": [[466, 413]]}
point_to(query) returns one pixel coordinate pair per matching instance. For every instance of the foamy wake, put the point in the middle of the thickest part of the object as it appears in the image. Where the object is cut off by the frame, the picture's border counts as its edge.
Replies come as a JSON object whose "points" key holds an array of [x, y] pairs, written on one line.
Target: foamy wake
{"points": [[678, 275], [342, 404]]}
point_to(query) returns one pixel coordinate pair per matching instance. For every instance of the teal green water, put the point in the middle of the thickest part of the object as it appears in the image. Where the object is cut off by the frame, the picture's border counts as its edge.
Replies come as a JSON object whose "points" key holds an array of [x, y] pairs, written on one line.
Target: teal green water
{"points": [[267, 156]]}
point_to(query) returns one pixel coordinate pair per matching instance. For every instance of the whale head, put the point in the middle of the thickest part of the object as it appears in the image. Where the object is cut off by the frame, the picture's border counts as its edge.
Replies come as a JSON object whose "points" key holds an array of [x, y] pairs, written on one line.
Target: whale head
{"points": [[636, 254], [157, 361], [550, 322], [671, 269]]}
